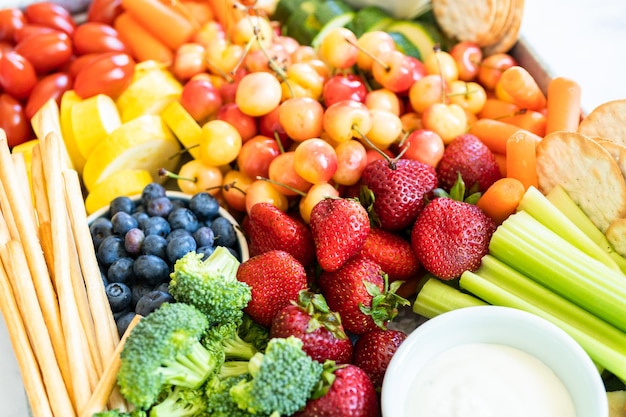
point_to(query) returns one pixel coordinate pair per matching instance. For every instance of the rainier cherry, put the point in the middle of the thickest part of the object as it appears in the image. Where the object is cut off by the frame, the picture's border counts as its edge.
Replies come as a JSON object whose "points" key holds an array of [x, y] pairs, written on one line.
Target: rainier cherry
{"points": [[384, 99], [245, 124], [344, 87], [315, 160], [258, 93], [371, 44], [301, 118], [423, 145], [234, 187], [256, 155], [338, 48], [262, 191], [394, 70], [220, 143], [468, 56], [200, 98], [347, 119]]}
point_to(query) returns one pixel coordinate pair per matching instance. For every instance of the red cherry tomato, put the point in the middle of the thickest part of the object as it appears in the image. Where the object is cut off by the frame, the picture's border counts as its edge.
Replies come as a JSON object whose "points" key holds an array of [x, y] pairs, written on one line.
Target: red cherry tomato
{"points": [[80, 62], [108, 74], [93, 37], [10, 21], [51, 86], [13, 120], [50, 14], [104, 11], [17, 75], [30, 29], [46, 51]]}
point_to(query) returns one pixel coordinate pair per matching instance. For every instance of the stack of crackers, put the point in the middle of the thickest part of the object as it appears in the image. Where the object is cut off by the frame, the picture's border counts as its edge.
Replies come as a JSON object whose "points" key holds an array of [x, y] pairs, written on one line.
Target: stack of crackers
{"points": [[492, 24]]}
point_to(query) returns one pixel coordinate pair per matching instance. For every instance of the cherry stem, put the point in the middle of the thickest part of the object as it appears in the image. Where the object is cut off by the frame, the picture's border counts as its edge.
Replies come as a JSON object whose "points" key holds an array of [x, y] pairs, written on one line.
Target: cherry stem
{"points": [[227, 187], [368, 53], [182, 151], [169, 174], [436, 50], [289, 187]]}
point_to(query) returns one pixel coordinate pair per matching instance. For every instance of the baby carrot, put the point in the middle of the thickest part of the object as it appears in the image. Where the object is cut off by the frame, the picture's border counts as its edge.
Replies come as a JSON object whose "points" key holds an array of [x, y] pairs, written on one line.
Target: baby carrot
{"points": [[163, 20], [530, 120], [501, 199], [521, 159], [493, 133], [501, 162], [495, 108], [563, 105], [143, 44], [522, 88]]}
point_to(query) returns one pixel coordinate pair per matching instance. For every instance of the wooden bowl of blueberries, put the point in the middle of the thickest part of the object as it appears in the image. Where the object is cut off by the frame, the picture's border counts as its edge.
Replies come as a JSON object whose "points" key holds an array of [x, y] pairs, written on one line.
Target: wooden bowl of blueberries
{"points": [[138, 239]]}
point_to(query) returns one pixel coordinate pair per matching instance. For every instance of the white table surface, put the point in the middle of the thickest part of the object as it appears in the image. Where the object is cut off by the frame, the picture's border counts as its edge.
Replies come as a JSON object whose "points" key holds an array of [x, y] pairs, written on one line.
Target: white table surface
{"points": [[579, 39]]}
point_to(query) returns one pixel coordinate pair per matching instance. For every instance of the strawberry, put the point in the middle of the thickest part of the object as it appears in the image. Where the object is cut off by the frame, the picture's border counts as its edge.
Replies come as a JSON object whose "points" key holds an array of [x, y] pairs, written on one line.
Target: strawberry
{"points": [[275, 278], [470, 157], [451, 236], [393, 253], [269, 228], [360, 292], [339, 227], [373, 351], [398, 187], [320, 329], [349, 393]]}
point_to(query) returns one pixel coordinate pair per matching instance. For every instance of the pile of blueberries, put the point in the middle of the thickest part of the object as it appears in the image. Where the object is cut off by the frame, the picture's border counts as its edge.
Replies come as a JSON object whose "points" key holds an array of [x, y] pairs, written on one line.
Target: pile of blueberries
{"points": [[138, 242]]}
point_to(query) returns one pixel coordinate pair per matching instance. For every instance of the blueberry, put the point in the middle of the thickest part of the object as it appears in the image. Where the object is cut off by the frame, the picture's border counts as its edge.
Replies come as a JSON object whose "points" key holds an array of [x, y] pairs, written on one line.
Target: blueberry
{"points": [[164, 286], [177, 233], [150, 191], [133, 240], [235, 253], [121, 203], [122, 222], [100, 228], [154, 245], [204, 236], [206, 251], [224, 231], [110, 250], [141, 217], [159, 206], [178, 203], [119, 296], [204, 205], [183, 218], [156, 226], [151, 301], [151, 269], [138, 290], [179, 246], [121, 270], [122, 321]]}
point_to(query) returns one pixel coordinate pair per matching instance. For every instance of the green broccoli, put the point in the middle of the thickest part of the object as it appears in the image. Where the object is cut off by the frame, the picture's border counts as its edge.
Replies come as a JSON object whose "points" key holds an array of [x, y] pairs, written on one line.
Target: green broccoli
{"points": [[219, 401], [282, 379], [226, 337], [165, 349], [118, 413], [252, 332], [180, 402], [211, 285]]}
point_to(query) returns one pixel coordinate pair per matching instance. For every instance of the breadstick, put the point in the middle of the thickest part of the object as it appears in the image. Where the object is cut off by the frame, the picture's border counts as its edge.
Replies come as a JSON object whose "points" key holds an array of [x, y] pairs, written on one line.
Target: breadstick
{"points": [[39, 186], [26, 360], [21, 171], [11, 228]]}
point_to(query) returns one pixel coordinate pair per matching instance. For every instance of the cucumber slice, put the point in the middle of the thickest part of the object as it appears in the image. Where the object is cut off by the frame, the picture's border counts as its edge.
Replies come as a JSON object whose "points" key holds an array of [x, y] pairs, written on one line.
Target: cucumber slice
{"points": [[417, 34], [369, 19], [286, 8], [404, 45], [339, 21]]}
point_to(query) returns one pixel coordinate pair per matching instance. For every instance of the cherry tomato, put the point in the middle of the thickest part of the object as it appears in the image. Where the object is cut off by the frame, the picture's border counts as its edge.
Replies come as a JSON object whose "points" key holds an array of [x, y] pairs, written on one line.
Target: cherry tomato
{"points": [[46, 51], [80, 62], [91, 37], [10, 21], [51, 86], [30, 29], [108, 74], [13, 120], [104, 11], [50, 14], [17, 75]]}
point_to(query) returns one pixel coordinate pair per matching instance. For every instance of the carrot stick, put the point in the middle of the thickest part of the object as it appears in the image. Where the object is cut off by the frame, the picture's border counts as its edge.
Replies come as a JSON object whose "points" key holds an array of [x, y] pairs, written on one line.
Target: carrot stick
{"points": [[162, 20], [199, 11], [521, 159], [563, 105], [143, 44], [225, 12], [26, 360], [493, 133], [522, 88], [501, 199], [501, 161], [530, 120], [495, 108]]}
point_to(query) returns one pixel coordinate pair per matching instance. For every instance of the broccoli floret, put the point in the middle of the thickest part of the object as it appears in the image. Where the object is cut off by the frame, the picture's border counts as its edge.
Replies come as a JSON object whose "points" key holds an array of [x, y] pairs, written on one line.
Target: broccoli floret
{"points": [[165, 349], [211, 285], [219, 401], [252, 332], [118, 413], [282, 379], [180, 402]]}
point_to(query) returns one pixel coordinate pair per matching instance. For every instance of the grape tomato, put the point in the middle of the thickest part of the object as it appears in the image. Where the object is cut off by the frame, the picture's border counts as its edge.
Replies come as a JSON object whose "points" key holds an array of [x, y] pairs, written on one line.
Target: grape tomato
{"points": [[109, 74], [94, 37], [50, 14], [31, 29], [104, 11], [46, 51], [51, 86], [11, 20], [17, 75], [13, 120]]}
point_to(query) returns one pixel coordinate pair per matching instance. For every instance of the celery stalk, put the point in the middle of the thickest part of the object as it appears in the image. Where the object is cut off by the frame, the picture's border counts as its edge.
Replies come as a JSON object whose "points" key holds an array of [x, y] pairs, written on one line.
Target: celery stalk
{"points": [[498, 284], [531, 248], [436, 297], [562, 201], [537, 205]]}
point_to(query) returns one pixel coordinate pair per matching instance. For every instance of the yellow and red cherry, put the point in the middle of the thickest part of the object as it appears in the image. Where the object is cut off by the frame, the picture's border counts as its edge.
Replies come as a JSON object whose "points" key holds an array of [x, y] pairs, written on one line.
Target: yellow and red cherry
{"points": [[301, 118], [423, 145], [338, 48], [258, 93], [219, 143], [302, 80], [371, 44], [386, 128], [195, 176], [492, 67], [426, 92], [189, 61], [344, 87], [315, 160], [469, 95], [468, 57], [447, 120], [261, 191], [257, 31], [443, 64], [229, 85], [269, 125], [347, 119], [256, 155], [282, 171], [245, 124], [394, 70], [201, 98], [351, 161], [314, 195], [384, 99], [234, 188], [223, 56]]}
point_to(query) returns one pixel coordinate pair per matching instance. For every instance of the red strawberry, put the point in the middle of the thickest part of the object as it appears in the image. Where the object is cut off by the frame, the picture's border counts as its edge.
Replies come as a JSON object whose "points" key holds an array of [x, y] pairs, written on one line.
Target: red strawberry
{"points": [[451, 236], [470, 157], [350, 394], [319, 328], [399, 187], [360, 293], [393, 253], [339, 227], [374, 350], [270, 228], [275, 278]]}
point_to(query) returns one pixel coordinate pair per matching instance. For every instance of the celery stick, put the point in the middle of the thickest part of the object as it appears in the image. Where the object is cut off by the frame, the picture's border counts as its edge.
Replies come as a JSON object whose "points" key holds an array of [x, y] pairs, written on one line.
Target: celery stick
{"points": [[498, 284], [436, 297], [562, 201], [531, 248], [538, 206]]}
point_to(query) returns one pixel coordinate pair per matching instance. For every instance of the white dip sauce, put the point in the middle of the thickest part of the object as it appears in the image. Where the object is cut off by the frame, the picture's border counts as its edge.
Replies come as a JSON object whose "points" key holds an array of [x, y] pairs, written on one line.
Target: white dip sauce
{"points": [[487, 380]]}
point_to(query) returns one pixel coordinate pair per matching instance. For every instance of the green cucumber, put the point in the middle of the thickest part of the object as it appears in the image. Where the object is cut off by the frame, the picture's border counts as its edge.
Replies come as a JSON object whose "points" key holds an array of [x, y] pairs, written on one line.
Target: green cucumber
{"points": [[417, 34], [286, 8], [404, 45], [369, 19]]}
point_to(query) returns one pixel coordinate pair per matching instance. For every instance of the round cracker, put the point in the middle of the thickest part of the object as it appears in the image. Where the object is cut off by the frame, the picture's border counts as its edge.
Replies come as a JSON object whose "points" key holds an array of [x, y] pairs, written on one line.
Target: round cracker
{"points": [[617, 151], [616, 235], [586, 171], [464, 20], [500, 24], [608, 120], [511, 33]]}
